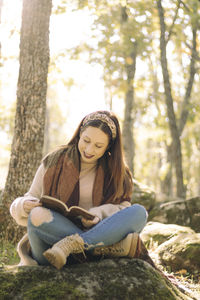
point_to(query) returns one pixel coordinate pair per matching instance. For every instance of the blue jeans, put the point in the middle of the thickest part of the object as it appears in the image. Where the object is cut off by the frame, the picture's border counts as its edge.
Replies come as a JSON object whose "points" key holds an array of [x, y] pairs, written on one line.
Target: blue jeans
{"points": [[107, 232]]}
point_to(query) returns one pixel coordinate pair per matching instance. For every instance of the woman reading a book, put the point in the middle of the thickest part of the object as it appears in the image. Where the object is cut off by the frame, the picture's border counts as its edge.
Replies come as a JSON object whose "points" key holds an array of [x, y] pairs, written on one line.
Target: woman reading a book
{"points": [[88, 172]]}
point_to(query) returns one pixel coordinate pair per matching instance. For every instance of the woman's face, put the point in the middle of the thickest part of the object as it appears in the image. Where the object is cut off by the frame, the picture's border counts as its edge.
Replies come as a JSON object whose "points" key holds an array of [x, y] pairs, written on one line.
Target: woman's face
{"points": [[92, 144]]}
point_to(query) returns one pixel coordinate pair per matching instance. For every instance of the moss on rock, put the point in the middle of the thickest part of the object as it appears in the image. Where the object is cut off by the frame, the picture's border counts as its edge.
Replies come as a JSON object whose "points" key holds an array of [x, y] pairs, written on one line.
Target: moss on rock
{"points": [[106, 279]]}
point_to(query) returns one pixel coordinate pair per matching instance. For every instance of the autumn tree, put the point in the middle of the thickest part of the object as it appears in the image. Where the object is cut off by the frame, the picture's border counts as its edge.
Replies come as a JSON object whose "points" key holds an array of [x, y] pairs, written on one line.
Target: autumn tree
{"points": [[27, 144], [125, 42], [176, 125], [130, 57], [119, 38]]}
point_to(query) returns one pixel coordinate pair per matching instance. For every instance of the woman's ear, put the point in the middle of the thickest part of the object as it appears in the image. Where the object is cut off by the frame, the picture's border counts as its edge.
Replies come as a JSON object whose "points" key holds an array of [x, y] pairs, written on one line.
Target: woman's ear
{"points": [[108, 150]]}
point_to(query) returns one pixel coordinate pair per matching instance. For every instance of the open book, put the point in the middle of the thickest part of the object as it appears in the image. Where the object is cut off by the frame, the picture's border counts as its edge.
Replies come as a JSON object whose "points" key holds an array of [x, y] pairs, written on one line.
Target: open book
{"points": [[61, 207]]}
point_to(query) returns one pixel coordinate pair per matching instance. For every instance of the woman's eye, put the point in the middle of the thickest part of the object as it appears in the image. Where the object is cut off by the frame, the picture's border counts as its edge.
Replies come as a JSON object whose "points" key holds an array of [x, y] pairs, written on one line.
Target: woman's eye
{"points": [[98, 146], [86, 141]]}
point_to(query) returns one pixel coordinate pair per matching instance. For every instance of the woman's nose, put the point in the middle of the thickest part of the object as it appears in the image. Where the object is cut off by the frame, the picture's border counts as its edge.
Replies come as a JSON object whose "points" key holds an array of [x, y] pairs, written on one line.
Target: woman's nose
{"points": [[90, 149]]}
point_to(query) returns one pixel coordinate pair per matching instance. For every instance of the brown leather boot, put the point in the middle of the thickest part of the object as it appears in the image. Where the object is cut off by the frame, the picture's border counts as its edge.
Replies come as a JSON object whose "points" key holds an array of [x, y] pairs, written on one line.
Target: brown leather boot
{"points": [[57, 255]]}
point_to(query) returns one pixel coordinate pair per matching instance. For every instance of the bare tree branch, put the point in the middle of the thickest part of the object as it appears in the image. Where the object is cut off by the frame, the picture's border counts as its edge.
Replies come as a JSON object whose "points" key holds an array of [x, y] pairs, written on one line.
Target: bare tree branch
{"points": [[185, 104], [185, 5], [195, 53], [173, 22]]}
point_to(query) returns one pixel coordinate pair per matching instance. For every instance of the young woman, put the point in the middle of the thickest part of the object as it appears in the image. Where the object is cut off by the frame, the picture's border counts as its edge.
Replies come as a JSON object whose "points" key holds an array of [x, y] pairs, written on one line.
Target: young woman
{"points": [[89, 172]]}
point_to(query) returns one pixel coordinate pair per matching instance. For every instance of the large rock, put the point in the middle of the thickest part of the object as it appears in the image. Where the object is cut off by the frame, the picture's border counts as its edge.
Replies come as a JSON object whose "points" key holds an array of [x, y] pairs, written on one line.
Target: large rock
{"points": [[107, 279], [181, 212], [158, 233], [143, 195], [181, 252], [177, 247]]}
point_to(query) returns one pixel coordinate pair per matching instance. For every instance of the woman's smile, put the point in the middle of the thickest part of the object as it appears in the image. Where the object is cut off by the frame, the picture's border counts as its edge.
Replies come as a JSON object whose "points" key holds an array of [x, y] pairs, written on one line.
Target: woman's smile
{"points": [[87, 155], [92, 144]]}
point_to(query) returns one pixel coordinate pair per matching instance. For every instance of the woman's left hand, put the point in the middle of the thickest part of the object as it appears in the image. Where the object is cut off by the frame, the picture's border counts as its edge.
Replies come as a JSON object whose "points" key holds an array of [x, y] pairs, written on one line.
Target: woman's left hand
{"points": [[89, 223]]}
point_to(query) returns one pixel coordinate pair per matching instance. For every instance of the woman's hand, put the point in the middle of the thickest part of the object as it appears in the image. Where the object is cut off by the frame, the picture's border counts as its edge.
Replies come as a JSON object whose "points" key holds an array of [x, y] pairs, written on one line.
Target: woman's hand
{"points": [[29, 205], [89, 223]]}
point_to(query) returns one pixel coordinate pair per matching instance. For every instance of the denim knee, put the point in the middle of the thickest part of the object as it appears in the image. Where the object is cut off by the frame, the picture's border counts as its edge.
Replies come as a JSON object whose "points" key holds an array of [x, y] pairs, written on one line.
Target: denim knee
{"points": [[139, 217], [141, 211]]}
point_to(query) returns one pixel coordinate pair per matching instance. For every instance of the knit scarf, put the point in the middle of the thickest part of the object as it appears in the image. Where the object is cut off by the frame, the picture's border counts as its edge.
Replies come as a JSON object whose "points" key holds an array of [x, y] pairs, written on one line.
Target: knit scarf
{"points": [[61, 179]]}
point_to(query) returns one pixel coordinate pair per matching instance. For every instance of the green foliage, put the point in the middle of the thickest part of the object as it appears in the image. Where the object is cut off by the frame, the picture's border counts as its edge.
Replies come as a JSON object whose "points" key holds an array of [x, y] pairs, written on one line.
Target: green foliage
{"points": [[120, 28], [8, 254], [123, 27]]}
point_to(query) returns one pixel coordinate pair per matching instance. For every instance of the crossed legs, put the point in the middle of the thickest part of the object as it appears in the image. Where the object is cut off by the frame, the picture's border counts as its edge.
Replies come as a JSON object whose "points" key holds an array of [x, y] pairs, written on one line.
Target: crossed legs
{"points": [[47, 227]]}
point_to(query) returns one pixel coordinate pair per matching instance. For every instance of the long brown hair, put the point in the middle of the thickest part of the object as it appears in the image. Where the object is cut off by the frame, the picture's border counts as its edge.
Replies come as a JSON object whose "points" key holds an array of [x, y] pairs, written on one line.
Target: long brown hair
{"points": [[120, 176], [120, 184]]}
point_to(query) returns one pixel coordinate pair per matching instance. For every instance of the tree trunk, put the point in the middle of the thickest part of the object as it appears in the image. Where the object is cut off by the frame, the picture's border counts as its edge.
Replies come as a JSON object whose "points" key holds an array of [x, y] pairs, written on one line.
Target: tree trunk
{"points": [[127, 131], [167, 184], [130, 67], [26, 151], [185, 106], [186, 101], [176, 144]]}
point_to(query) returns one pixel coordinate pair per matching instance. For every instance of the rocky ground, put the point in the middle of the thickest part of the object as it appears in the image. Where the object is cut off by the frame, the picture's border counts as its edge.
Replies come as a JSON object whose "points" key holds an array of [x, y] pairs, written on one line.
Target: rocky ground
{"points": [[110, 279], [172, 238], [113, 278]]}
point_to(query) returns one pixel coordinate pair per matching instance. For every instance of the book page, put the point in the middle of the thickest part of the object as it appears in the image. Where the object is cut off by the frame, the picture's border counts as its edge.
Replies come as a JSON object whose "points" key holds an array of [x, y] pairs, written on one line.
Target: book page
{"points": [[61, 207]]}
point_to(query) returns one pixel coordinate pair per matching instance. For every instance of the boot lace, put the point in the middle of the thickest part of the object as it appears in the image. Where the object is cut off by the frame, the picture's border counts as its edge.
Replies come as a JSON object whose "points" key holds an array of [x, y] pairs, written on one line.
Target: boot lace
{"points": [[72, 244]]}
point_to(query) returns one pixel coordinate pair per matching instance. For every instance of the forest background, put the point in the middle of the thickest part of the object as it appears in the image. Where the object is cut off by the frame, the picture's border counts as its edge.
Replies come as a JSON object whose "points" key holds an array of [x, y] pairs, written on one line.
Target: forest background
{"points": [[138, 58]]}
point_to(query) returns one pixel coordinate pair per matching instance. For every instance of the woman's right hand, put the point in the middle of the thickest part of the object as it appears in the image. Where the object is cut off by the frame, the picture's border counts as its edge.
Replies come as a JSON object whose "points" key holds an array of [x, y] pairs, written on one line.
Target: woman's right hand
{"points": [[29, 205], [89, 223]]}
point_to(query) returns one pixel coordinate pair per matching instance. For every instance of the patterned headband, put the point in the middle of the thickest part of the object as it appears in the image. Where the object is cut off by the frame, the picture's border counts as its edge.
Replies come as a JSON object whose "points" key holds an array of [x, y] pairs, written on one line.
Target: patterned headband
{"points": [[104, 118]]}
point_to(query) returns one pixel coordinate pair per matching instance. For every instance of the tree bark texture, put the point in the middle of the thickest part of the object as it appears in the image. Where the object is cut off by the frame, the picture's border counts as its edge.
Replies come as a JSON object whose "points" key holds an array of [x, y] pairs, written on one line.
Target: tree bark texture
{"points": [[177, 152], [27, 145]]}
